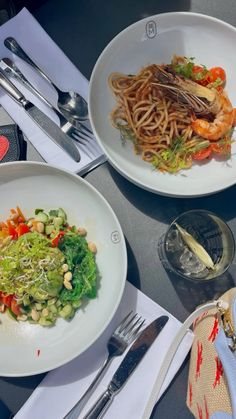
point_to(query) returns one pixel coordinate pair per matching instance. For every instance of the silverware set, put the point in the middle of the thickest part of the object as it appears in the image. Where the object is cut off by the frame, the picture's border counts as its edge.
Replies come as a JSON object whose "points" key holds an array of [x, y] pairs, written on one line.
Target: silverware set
{"points": [[71, 109], [127, 332]]}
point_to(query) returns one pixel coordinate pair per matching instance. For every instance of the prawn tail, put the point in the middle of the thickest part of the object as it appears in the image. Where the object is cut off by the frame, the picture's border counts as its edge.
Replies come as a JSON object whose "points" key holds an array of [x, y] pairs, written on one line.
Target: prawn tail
{"points": [[234, 117], [201, 127]]}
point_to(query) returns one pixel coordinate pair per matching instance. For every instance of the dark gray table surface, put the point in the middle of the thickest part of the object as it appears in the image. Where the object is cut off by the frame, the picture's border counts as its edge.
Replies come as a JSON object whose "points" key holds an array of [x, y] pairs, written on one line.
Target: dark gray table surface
{"points": [[82, 28]]}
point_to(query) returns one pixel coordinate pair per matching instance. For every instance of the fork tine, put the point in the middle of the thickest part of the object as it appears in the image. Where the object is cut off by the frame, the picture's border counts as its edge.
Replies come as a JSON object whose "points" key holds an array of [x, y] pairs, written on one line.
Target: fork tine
{"points": [[85, 128], [135, 332], [127, 324], [123, 324], [82, 134], [83, 147], [91, 146], [132, 326]]}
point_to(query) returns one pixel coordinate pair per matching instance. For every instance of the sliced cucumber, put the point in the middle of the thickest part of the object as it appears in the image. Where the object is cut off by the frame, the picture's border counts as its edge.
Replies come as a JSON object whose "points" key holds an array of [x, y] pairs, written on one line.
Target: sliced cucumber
{"points": [[52, 301], [26, 300], [53, 213], [76, 304], [49, 229], [42, 217], [62, 214], [58, 221], [43, 321], [38, 306], [67, 311], [52, 309]]}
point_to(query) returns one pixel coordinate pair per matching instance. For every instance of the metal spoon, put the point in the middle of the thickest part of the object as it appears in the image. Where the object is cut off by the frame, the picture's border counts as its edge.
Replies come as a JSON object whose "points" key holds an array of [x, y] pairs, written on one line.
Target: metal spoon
{"points": [[71, 104]]}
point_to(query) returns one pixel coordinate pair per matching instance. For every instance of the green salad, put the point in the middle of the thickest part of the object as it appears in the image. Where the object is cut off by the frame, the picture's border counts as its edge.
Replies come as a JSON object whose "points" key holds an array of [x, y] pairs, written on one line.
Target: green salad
{"points": [[47, 267]]}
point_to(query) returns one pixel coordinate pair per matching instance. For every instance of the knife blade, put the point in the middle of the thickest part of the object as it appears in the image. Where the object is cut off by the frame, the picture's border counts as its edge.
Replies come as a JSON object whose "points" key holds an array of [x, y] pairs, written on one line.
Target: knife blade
{"points": [[40, 118], [127, 366]]}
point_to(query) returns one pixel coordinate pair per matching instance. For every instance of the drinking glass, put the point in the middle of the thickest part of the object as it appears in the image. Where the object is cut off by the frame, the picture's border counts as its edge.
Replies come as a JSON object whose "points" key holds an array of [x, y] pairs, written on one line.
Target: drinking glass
{"points": [[211, 232]]}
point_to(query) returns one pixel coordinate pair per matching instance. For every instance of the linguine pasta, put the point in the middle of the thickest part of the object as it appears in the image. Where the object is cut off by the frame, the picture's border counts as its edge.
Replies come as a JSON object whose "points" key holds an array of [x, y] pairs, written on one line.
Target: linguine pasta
{"points": [[158, 125]]}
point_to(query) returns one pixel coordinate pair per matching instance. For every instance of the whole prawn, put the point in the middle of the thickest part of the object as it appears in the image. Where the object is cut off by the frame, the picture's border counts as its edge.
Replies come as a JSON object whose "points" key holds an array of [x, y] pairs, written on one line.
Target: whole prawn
{"points": [[222, 123]]}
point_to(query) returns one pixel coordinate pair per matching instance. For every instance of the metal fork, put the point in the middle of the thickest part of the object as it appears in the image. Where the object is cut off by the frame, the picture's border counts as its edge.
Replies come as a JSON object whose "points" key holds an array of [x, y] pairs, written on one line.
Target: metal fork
{"points": [[124, 334], [78, 132]]}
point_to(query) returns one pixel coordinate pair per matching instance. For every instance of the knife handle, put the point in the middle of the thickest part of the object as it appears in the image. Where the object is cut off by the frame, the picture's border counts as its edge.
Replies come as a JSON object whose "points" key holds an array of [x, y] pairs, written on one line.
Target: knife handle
{"points": [[10, 88], [101, 405]]}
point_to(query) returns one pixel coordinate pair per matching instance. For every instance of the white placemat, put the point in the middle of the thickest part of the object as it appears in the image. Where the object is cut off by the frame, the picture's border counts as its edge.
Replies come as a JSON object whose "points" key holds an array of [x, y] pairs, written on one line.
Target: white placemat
{"points": [[61, 388], [43, 50]]}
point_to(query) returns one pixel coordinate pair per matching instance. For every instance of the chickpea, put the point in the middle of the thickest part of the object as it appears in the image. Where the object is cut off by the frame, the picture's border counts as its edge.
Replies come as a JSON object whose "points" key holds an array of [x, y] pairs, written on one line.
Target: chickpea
{"points": [[40, 227], [45, 312], [22, 317], [35, 315], [82, 231], [65, 267], [67, 276], [92, 247], [67, 285]]}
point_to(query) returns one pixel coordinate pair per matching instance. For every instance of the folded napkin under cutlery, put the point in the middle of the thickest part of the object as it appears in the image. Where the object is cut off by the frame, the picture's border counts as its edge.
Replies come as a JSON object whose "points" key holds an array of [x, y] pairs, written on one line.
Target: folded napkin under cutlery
{"points": [[62, 387], [38, 44]]}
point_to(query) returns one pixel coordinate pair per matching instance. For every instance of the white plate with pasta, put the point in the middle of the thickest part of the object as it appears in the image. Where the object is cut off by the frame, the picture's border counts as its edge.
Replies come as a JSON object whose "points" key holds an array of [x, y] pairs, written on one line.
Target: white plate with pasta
{"points": [[161, 104]]}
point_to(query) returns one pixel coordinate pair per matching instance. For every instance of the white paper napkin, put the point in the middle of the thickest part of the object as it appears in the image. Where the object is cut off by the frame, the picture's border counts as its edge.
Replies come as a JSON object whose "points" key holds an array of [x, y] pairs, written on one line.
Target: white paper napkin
{"points": [[61, 388], [42, 49]]}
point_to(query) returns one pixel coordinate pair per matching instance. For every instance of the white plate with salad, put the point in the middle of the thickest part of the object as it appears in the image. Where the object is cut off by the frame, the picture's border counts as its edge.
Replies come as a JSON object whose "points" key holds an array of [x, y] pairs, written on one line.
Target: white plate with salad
{"points": [[63, 267]]}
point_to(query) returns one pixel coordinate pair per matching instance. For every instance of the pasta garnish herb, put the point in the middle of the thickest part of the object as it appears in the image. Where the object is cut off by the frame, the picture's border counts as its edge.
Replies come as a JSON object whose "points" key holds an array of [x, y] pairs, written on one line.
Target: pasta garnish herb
{"points": [[185, 68], [177, 156]]}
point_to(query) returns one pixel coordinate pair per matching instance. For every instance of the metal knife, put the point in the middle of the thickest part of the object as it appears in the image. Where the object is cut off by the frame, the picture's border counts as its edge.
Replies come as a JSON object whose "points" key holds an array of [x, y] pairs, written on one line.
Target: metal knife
{"points": [[127, 366], [43, 121]]}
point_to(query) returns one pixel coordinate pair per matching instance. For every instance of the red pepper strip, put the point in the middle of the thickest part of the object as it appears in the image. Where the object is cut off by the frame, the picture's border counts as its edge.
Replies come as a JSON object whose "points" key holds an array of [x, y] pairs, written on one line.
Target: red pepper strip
{"points": [[6, 299], [12, 230], [56, 239], [22, 229], [15, 308]]}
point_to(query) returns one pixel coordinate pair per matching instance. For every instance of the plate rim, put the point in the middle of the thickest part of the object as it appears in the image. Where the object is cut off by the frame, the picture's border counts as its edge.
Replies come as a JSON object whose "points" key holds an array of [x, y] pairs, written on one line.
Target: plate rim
{"points": [[115, 306], [110, 159]]}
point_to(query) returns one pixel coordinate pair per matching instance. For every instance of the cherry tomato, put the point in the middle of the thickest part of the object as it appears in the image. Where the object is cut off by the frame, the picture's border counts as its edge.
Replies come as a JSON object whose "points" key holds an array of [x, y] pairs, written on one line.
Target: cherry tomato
{"points": [[15, 308], [221, 148], [200, 75], [202, 154], [197, 69], [217, 72]]}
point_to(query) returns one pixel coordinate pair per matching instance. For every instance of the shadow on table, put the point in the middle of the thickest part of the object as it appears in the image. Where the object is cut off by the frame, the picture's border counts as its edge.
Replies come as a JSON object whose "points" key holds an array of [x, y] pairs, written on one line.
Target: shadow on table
{"points": [[4, 411], [87, 19], [30, 382], [193, 293], [166, 209], [133, 273], [177, 388]]}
